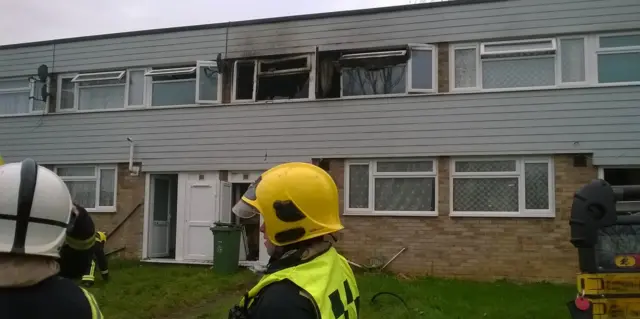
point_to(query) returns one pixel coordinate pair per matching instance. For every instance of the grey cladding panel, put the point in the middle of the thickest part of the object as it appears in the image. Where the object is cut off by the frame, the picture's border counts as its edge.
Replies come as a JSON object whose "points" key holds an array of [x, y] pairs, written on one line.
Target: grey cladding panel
{"points": [[515, 18], [605, 121], [24, 61]]}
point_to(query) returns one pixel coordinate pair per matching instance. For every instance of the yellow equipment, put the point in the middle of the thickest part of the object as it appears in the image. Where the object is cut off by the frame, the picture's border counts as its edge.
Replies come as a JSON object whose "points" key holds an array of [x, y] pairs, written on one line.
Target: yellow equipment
{"points": [[608, 243]]}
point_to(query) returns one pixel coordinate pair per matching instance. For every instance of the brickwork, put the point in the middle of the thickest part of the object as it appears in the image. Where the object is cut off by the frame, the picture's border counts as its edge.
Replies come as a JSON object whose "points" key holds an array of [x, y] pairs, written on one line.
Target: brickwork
{"points": [[443, 67], [526, 249], [130, 194]]}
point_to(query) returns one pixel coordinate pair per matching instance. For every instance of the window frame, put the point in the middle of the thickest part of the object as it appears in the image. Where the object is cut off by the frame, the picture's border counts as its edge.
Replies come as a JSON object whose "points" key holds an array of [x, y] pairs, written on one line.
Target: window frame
{"points": [[115, 75], [96, 177], [200, 64], [311, 69], [370, 211], [518, 173], [591, 51], [601, 170], [234, 85], [409, 91], [31, 87], [596, 50], [76, 91], [145, 88]]}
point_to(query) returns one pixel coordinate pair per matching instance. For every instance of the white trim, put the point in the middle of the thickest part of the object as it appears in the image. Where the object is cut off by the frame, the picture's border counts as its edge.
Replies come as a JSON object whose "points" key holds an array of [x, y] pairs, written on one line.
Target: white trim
{"points": [[519, 173], [99, 76], [434, 68], [585, 49], [551, 41], [95, 178], [128, 88], [285, 71], [408, 70], [372, 165], [209, 64], [171, 71], [29, 89], [234, 84], [146, 218], [591, 52], [373, 55]]}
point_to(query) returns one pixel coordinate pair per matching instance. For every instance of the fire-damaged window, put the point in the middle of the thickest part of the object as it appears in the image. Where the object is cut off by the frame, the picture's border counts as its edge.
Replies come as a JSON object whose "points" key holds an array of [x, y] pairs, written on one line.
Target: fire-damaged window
{"points": [[409, 70], [281, 78]]}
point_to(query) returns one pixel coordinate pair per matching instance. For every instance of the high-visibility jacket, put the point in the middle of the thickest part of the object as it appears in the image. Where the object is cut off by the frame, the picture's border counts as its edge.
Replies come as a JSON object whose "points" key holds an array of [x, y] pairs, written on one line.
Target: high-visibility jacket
{"points": [[52, 298], [327, 278]]}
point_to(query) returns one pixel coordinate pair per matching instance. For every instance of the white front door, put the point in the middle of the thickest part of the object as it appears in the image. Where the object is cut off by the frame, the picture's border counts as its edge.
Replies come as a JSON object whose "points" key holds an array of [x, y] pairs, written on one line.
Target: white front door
{"points": [[200, 212], [160, 216]]}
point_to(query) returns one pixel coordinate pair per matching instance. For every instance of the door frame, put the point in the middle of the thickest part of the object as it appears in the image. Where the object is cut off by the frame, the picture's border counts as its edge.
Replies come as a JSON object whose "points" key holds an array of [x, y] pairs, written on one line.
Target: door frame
{"points": [[147, 219]]}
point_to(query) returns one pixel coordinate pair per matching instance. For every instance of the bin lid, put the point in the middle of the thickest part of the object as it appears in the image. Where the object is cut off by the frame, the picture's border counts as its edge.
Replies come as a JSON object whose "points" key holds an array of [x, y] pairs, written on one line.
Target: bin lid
{"points": [[219, 226]]}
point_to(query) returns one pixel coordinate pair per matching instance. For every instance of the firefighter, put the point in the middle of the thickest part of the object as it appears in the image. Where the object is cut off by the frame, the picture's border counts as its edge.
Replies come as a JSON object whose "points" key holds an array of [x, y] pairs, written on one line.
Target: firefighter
{"points": [[306, 277], [99, 259], [35, 207], [77, 252]]}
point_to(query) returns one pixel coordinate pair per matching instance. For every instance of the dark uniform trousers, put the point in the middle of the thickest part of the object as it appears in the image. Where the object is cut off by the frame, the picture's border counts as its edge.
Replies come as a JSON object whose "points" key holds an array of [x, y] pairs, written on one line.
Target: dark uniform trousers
{"points": [[52, 298], [77, 252], [98, 259]]}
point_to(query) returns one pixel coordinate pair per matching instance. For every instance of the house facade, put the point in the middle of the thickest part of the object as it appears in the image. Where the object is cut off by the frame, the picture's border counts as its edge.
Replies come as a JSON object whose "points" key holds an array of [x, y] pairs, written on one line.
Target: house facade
{"points": [[458, 130]]}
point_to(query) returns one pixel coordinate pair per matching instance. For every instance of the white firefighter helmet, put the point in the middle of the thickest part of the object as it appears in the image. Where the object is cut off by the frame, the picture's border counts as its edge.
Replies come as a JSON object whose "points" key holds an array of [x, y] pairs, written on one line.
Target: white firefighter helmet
{"points": [[35, 209]]}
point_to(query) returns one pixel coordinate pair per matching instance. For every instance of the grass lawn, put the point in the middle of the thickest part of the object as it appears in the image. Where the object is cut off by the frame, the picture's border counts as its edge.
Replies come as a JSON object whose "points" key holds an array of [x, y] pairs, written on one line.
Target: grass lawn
{"points": [[434, 298], [144, 291]]}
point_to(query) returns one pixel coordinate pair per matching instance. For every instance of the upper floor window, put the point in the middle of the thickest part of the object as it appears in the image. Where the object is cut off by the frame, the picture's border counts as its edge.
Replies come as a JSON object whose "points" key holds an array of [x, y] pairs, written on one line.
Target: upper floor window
{"points": [[94, 91], [282, 78], [16, 96], [185, 85], [389, 72], [618, 58], [546, 63], [92, 186]]}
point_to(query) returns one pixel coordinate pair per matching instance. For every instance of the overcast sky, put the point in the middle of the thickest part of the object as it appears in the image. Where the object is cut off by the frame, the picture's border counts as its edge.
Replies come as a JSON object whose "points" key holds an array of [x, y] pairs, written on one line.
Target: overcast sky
{"points": [[36, 20]]}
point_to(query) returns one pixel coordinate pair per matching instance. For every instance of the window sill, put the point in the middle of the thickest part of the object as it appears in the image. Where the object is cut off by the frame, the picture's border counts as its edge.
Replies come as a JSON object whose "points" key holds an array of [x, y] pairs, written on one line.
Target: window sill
{"points": [[502, 215], [35, 113], [101, 210], [577, 85], [392, 214]]}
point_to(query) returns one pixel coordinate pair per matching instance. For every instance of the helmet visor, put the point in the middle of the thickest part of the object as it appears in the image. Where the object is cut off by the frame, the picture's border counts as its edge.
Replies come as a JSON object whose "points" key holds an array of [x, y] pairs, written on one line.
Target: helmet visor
{"points": [[244, 210]]}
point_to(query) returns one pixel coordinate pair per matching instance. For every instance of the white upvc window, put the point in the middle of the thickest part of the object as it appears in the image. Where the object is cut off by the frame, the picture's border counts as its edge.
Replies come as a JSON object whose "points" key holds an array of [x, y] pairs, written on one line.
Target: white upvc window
{"points": [[502, 187], [183, 86], [383, 187], [100, 90], [566, 61], [283, 78], [393, 72], [21, 95], [92, 186], [618, 58], [623, 176]]}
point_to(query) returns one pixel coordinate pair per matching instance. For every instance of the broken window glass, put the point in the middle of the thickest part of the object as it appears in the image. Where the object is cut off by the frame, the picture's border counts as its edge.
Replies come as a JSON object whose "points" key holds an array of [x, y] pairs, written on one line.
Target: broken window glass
{"points": [[389, 79], [374, 73], [244, 77]]}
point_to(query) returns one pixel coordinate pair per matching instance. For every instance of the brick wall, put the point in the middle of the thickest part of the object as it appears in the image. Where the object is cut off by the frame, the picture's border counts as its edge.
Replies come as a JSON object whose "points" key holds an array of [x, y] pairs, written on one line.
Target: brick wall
{"points": [[130, 194], [528, 249]]}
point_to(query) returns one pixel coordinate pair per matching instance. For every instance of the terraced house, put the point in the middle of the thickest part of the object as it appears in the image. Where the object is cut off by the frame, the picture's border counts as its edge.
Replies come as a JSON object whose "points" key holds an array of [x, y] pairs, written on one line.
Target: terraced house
{"points": [[458, 130]]}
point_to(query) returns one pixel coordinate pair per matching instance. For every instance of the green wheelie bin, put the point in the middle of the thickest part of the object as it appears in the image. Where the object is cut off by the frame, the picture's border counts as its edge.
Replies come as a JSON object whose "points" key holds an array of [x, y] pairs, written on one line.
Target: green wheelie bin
{"points": [[226, 247]]}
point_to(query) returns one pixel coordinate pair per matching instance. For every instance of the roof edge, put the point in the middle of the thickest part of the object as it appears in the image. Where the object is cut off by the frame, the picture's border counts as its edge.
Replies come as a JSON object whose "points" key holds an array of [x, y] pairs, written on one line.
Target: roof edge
{"points": [[312, 16]]}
